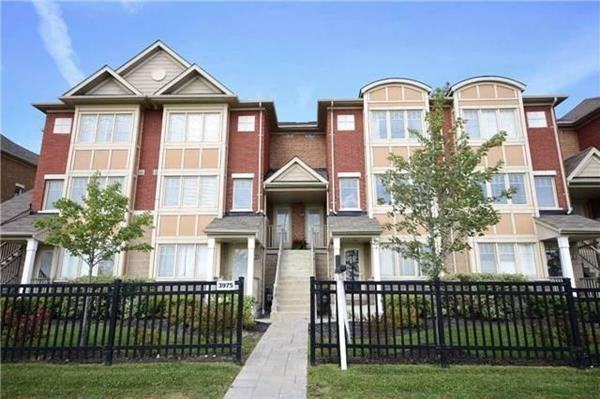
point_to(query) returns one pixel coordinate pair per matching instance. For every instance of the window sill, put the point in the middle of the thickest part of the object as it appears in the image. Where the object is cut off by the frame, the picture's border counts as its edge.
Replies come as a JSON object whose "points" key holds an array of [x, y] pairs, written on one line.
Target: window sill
{"points": [[48, 211], [350, 209]]}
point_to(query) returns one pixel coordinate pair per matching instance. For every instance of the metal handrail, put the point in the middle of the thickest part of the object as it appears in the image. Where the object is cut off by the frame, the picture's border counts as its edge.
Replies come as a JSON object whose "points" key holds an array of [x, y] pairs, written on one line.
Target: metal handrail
{"points": [[312, 251], [277, 266]]}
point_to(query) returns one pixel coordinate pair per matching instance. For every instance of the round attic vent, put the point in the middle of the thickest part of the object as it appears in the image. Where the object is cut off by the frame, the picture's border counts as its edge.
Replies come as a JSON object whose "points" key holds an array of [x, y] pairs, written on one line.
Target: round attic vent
{"points": [[158, 74]]}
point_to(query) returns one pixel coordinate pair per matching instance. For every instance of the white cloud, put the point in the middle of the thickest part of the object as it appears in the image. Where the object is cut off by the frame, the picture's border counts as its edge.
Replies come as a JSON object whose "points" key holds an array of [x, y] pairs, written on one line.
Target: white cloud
{"points": [[572, 60], [55, 35], [131, 5]]}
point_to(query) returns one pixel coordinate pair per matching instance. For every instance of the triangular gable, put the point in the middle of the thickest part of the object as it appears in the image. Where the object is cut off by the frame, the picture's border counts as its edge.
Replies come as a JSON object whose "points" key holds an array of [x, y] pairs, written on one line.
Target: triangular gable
{"points": [[148, 52], [588, 167], [194, 81], [296, 171], [104, 82]]}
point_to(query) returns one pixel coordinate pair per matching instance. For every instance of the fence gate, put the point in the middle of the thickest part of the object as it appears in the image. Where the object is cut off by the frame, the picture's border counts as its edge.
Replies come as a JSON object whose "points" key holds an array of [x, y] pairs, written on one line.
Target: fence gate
{"points": [[121, 321], [459, 322]]}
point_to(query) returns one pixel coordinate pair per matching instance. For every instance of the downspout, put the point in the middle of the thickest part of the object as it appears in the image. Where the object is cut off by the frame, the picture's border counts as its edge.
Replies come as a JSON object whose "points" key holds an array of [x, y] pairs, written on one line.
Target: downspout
{"points": [[333, 209], [260, 158], [562, 165]]}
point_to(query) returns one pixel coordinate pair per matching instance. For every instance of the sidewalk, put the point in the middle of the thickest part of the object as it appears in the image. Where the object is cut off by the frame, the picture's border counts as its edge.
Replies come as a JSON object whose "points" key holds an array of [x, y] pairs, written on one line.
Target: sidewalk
{"points": [[277, 366]]}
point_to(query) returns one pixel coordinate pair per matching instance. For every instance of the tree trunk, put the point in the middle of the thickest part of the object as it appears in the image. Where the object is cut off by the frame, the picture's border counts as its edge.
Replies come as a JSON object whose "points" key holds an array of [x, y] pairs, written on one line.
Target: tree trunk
{"points": [[85, 325]]}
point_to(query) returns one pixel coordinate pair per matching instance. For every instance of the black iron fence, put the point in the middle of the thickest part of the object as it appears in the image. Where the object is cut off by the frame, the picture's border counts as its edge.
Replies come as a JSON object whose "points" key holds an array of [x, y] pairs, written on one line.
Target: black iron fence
{"points": [[121, 321], [458, 322]]}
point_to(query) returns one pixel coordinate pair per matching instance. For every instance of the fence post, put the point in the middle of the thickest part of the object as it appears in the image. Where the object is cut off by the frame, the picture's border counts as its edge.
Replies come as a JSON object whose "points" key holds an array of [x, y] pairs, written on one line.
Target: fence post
{"points": [[439, 318], [313, 359], [112, 322], [240, 317], [573, 322]]}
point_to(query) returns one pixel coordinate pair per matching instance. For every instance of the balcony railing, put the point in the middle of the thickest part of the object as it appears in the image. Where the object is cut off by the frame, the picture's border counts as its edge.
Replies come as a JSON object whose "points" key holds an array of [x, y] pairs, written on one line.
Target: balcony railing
{"points": [[317, 237]]}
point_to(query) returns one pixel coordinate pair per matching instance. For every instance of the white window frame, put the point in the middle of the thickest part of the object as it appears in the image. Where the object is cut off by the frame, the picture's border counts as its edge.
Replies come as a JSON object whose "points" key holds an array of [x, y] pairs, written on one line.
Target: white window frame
{"points": [[242, 176], [345, 122], [62, 125], [389, 138], [518, 267], [537, 119], [102, 179], [111, 141], [349, 176], [180, 204], [246, 123], [47, 179], [509, 201], [552, 175], [82, 267], [376, 203], [174, 275], [397, 258], [518, 128], [186, 113]]}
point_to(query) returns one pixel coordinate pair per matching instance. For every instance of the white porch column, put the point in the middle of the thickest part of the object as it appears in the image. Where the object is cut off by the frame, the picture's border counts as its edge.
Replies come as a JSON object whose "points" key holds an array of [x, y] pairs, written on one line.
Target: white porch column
{"points": [[250, 271], [565, 258], [32, 245], [210, 261], [375, 266]]}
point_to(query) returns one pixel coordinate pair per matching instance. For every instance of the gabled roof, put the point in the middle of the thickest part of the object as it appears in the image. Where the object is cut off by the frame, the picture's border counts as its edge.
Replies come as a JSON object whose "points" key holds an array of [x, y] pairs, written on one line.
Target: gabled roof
{"points": [[194, 72], [99, 78], [148, 52], [296, 172], [11, 148], [16, 217], [570, 224], [577, 163], [353, 225], [581, 111], [487, 78]]}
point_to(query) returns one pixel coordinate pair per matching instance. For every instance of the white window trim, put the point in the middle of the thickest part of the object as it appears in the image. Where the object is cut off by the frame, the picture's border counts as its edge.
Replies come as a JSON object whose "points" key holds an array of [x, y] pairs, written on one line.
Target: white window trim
{"points": [[396, 256], [82, 266], [529, 120], [174, 276], [185, 142], [376, 204], [70, 125], [509, 203], [242, 176], [514, 242], [350, 175], [179, 206], [547, 173], [389, 138], [346, 129], [109, 143], [241, 127], [480, 140], [44, 199]]}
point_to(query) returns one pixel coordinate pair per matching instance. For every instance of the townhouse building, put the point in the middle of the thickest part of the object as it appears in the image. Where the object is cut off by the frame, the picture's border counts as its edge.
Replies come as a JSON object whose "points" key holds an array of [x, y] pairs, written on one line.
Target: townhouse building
{"points": [[232, 189]]}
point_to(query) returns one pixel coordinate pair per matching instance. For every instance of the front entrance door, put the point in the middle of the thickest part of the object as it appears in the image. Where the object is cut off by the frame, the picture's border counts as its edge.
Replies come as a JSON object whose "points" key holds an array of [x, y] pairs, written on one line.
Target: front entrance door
{"points": [[314, 220], [351, 256], [283, 223]]}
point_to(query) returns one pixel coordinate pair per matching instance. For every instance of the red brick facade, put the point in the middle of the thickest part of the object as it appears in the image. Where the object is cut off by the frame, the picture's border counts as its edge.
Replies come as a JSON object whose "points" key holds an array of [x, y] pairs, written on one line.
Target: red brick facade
{"points": [[545, 154], [345, 150], [242, 156], [589, 134], [148, 162], [53, 156], [310, 147], [15, 171]]}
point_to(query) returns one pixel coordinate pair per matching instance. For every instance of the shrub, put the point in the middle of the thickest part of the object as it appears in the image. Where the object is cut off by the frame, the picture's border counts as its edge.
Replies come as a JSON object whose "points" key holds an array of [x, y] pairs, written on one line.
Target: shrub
{"points": [[500, 277], [23, 326], [299, 244], [406, 310]]}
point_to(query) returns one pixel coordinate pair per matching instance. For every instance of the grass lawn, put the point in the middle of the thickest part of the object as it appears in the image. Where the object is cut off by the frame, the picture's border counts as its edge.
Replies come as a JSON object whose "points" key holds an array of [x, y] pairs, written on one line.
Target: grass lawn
{"points": [[125, 380], [465, 382], [144, 380]]}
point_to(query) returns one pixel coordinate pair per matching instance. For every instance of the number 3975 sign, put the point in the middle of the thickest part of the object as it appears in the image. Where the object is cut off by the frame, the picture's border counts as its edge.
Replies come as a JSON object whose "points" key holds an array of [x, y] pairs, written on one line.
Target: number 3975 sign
{"points": [[225, 285]]}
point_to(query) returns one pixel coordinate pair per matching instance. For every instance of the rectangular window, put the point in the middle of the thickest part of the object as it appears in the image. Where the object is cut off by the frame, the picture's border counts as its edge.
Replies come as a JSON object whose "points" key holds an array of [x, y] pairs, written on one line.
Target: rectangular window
{"points": [[536, 119], [182, 261], [105, 128], [545, 192], [396, 124], [73, 267], [79, 185], [394, 264], [484, 123], [349, 194], [345, 122], [382, 196], [52, 192], [189, 192], [242, 194], [507, 258], [188, 127], [62, 125], [246, 123], [505, 181]]}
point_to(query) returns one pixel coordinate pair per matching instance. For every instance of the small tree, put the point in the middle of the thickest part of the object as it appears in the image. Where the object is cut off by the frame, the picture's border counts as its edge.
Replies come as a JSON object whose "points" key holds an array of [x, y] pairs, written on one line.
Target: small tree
{"points": [[437, 196], [95, 230]]}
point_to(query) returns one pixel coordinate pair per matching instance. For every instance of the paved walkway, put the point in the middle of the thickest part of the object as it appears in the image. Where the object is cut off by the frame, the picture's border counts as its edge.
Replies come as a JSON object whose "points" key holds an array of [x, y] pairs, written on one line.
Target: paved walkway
{"points": [[277, 366]]}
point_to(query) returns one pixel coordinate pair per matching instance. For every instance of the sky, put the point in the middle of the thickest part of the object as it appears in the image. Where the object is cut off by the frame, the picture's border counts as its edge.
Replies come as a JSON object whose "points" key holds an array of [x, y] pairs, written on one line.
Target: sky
{"points": [[297, 53]]}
